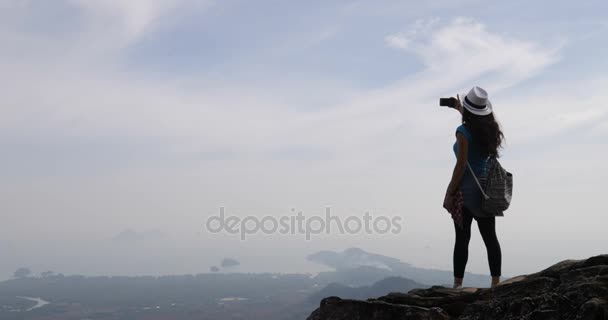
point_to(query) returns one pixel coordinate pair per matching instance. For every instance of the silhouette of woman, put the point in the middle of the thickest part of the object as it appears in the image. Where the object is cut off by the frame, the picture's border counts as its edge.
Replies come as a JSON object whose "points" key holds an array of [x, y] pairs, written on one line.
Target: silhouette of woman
{"points": [[477, 138]]}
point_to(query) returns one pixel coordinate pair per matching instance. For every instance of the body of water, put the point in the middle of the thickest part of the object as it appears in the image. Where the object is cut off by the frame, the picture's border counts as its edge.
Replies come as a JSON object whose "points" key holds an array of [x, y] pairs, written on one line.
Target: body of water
{"points": [[39, 302]]}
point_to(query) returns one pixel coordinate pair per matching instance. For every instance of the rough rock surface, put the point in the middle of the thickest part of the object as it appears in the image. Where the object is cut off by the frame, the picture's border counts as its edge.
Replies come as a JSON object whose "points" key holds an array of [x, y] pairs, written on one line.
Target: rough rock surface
{"points": [[572, 289]]}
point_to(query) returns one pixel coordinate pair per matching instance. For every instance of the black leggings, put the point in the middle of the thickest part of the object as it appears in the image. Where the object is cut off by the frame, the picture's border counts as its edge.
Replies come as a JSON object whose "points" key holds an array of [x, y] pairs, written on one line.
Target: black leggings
{"points": [[488, 233]]}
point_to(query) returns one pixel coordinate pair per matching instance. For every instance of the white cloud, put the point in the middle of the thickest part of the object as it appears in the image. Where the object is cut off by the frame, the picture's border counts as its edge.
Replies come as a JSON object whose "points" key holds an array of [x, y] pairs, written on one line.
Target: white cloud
{"points": [[421, 28], [104, 99], [397, 41], [134, 17], [465, 47], [92, 33], [553, 108]]}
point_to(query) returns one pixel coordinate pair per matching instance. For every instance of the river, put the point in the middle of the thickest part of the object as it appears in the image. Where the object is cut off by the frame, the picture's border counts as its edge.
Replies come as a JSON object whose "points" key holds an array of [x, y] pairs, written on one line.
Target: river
{"points": [[39, 302]]}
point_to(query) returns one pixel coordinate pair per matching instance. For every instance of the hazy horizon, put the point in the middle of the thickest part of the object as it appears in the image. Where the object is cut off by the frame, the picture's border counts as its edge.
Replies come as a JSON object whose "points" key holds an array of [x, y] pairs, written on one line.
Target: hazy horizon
{"points": [[151, 115]]}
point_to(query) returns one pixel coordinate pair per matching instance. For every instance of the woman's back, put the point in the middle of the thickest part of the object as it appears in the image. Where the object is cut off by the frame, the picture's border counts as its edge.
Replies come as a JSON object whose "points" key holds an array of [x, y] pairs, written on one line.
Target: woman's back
{"points": [[478, 160], [477, 157]]}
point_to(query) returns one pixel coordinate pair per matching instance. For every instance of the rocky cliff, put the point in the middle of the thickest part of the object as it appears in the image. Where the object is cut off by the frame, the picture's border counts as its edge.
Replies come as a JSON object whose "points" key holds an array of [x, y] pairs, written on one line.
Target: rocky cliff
{"points": [[567, 290]]}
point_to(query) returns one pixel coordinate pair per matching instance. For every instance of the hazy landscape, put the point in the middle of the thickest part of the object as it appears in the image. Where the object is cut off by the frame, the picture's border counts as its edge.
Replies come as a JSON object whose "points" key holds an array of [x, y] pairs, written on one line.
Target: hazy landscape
{"points": [[213, 295]]}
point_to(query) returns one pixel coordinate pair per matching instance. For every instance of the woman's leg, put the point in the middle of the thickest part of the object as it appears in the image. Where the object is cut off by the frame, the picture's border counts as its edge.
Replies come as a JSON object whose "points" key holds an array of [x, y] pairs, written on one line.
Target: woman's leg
{"points": [[461, 248], [487, 228]]}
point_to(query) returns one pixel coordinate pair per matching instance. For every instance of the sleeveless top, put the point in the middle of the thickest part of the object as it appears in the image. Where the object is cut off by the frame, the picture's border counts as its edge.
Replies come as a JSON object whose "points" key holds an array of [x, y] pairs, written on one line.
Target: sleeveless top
{"points": [[478, 160]]}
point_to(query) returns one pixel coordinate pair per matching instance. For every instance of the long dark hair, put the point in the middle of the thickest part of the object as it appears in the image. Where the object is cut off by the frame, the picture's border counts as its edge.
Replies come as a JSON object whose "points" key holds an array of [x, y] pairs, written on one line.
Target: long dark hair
{"points": [[485, 131]]}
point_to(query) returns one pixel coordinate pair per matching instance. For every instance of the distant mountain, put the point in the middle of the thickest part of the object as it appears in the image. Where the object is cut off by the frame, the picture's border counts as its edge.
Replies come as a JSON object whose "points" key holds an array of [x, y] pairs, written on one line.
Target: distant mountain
{"points": [[380, 288], [355, 266], [132, 236], [355, 257], [354, 277], [229, 262]]}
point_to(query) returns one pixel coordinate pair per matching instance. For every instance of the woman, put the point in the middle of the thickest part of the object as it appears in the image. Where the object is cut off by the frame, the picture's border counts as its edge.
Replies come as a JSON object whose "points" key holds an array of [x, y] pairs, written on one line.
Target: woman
{"points": [[478, 138]]}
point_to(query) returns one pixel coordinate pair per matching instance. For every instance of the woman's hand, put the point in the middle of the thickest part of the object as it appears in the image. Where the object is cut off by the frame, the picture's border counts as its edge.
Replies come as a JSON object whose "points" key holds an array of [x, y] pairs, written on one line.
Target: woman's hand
{"points": [[458, 104]]}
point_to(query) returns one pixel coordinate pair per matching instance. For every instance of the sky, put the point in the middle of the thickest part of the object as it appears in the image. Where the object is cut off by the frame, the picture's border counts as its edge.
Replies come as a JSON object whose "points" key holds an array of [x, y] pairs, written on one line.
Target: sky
{"points": [[143, 118]]}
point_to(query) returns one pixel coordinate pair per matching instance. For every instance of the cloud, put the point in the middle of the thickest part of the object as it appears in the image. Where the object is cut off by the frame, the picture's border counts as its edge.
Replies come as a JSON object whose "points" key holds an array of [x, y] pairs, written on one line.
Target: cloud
{"points": [[554, 108], [106, 101], [397, 41], [132, 17], [465, 46], [420, 29]]}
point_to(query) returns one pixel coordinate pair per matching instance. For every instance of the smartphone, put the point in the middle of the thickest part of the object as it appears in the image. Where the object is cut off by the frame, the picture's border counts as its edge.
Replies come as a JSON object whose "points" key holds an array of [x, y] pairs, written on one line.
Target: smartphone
{"points": [[447, 102]]}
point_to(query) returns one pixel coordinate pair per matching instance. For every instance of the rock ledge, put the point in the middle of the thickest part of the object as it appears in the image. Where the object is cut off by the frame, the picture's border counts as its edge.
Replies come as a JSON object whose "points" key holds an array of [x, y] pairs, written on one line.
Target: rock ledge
{"points": [[571, 289]]}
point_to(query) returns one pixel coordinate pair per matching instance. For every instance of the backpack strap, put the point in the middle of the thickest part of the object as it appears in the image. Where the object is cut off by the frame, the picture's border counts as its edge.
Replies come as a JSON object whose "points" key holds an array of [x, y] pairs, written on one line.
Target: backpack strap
{"points": [[478, 184]]}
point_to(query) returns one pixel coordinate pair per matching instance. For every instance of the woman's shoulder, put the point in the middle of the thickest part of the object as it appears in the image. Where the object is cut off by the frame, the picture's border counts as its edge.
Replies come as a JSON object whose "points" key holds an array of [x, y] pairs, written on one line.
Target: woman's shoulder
{"points": [[462, 129]]}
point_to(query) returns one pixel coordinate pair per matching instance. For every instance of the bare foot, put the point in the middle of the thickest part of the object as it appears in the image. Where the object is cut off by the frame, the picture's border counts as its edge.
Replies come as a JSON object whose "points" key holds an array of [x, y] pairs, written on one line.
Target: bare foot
{"points": [[495, 281], [457, 283]]}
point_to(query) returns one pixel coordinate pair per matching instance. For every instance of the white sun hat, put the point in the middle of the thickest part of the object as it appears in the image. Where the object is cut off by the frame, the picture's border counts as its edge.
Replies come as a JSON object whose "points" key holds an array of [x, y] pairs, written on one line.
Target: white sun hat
{"points": [[477, 102]]}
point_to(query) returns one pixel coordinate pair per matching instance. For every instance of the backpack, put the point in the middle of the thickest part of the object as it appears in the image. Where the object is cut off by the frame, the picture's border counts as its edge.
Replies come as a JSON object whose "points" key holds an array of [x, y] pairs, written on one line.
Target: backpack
{"points": [[498, 188]]}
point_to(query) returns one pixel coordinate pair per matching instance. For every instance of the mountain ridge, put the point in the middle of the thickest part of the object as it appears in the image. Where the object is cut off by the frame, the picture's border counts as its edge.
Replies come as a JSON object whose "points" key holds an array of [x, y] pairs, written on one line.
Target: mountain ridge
{"points": [[359, 267]]}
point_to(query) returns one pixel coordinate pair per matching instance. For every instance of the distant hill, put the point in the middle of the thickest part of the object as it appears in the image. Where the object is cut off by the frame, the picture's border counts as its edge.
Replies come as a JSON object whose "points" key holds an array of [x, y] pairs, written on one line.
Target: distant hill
{"points": [[229, 262], [353, 258], [355, 266], [380, 288], [354, 277]]}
